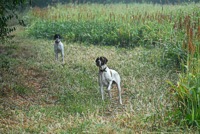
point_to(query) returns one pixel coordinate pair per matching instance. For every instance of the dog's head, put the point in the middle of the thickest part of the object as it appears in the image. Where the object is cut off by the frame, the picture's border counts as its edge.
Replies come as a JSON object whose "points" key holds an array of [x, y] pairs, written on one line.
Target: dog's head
{"points": [[100, 61], [57, 38]]}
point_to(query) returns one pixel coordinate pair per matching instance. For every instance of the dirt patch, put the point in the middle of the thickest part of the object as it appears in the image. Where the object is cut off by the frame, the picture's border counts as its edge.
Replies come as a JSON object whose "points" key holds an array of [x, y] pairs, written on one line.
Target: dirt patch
{"points": [[24, 89]]}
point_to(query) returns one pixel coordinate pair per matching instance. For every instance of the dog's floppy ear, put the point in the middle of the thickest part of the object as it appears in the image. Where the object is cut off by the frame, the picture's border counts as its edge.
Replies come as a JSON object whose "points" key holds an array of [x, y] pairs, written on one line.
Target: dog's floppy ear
{"points": [[97, 59], [105, 60]]}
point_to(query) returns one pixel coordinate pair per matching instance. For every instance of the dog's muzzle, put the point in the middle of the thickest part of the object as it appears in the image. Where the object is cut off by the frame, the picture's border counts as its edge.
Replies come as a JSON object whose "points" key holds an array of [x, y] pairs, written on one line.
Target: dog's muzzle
{"points": [[57, 40], [98, 63]]}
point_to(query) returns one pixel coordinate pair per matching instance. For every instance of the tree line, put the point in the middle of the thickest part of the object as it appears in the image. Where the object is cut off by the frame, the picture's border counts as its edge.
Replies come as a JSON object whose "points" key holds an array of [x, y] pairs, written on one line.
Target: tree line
{"points": [[44, 3]]}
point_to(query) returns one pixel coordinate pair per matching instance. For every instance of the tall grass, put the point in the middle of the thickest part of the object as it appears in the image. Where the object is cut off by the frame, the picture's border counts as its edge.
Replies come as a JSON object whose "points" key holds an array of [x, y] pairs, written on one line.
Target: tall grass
{"points": [[187, 89], [126, 25], [123, 24]]}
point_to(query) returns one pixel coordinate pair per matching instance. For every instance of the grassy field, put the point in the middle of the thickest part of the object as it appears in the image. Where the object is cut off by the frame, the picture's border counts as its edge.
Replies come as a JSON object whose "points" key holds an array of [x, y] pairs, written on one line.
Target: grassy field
{"points": [[39, 95]]}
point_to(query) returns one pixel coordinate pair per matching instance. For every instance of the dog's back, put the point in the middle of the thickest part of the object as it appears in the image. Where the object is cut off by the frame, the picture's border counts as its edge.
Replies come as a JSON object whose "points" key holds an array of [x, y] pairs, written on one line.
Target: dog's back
{"points": [[115, 75]]}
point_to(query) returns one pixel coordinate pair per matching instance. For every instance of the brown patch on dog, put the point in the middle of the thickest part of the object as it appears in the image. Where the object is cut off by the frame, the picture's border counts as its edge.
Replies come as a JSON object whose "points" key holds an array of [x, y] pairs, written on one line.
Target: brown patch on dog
{"points": [[104, 60]]}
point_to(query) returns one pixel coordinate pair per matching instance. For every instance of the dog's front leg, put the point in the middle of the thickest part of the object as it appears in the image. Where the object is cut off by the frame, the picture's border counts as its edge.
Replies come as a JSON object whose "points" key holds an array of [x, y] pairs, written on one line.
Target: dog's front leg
{"points": [[102, 92], [56, 56]]}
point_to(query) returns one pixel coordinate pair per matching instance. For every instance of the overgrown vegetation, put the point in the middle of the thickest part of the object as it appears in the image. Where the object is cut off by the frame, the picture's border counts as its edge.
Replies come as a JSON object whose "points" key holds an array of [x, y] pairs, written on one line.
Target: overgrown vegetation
{"points": [[123, 25], [45, 96]]}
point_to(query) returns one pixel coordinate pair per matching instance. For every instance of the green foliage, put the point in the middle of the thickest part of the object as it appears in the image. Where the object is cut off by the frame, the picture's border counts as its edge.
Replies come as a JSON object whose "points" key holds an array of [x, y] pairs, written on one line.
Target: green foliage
{"points": [[115, 34], [7, 13], [187, 89], [174, 56], [83, 31], [187, 93]]}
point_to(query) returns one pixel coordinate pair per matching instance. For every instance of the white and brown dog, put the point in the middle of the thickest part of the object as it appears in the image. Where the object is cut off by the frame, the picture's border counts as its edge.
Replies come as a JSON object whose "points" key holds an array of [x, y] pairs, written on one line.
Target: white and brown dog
{"points": [[107, 77], [58, 47]]}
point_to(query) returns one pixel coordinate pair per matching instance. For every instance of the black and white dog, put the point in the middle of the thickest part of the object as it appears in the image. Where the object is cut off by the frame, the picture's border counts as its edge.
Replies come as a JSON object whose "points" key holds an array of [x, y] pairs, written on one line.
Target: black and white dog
{"points": [[107, 77], [58, 47]]}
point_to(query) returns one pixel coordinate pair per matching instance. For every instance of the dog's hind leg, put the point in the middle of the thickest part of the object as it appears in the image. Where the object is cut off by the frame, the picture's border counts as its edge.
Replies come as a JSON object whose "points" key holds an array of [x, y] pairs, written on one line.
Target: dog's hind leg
{"points": [[109, 87], [62, 54], [119, 92]]}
